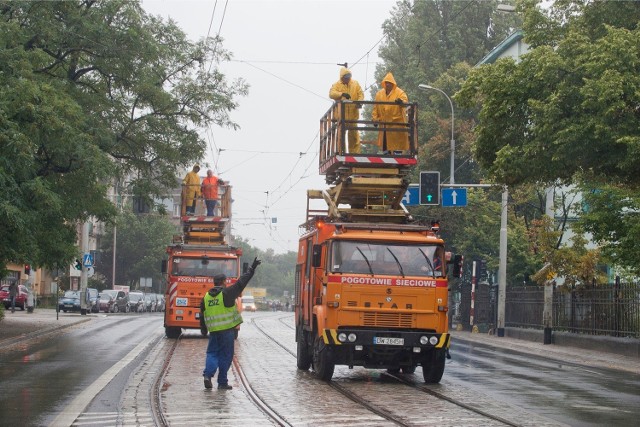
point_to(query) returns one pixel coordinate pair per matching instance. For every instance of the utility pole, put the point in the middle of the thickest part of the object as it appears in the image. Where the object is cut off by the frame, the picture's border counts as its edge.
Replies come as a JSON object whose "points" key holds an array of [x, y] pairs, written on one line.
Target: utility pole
{"points": [[502, 270], [84, 271]]}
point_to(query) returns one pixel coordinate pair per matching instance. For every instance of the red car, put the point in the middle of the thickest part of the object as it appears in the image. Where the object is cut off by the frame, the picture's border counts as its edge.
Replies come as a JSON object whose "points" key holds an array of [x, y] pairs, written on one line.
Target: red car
{"points": [[21, 298]]}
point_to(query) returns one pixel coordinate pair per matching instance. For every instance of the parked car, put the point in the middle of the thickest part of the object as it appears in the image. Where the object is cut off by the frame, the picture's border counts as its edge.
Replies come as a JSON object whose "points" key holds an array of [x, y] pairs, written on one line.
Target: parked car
{"points": [[70, 301], [106, 300], [150, 302], [121, 303], [21, 297], [248, 303], [136, 302], [92, 304], [160, 304]]}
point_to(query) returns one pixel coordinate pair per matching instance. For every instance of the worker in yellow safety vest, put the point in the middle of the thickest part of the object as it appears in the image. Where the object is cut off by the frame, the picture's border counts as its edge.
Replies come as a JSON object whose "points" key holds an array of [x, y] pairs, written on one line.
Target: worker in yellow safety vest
{"points": [[219, 317]]}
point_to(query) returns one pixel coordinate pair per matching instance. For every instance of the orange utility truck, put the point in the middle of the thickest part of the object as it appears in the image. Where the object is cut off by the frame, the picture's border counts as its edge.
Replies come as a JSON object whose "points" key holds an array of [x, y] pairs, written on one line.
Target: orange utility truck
{"points": [[195, 257], [371, 283]]}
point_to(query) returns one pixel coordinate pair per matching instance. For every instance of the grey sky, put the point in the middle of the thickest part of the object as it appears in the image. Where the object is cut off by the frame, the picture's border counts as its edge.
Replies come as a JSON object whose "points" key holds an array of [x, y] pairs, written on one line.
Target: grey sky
{"points": [[280, 116]]}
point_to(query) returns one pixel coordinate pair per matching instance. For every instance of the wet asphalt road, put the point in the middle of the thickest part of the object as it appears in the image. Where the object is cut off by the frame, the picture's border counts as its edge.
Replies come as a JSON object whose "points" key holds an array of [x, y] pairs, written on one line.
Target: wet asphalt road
{"points": [[41, 377], [560, 390]]}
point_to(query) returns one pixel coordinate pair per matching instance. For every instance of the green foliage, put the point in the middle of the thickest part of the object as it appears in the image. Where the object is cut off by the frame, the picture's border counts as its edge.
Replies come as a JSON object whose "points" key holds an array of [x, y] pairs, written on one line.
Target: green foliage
{"points": [[141, 242], [93, 92], [612, 216], [434, 42], [574, 263], [570, 106], [277, 271]]}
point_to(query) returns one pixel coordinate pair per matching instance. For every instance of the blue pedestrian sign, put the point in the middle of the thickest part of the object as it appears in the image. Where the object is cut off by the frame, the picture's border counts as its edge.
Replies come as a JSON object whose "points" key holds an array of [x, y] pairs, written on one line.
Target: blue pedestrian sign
{"points": [[454, 197], [87, 260]]}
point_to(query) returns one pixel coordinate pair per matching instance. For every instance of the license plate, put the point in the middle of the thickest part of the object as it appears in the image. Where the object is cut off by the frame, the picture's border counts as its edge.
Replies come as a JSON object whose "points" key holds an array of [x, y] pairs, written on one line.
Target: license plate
{"points": [[388, 341], [182, 302], [68, 305]]}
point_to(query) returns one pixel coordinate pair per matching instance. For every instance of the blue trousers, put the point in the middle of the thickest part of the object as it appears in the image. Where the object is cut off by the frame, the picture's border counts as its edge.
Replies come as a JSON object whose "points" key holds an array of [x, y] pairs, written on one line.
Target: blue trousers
{"points": [[219, 354], [211, 206]]}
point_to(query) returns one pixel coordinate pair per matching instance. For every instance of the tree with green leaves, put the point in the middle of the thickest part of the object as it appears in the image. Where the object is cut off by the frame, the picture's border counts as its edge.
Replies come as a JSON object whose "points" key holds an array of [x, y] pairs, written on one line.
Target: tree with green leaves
{"points": [[568, 109], [94, 92], [612, 215], [568, 112], [141, 242], [436, 42]]}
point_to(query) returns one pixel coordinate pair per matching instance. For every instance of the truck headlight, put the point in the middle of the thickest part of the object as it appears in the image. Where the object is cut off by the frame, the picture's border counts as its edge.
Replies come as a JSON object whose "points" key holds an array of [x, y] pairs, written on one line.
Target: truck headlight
{"points": [[433, 340], [342, 337], [424, 340], [352, 337]]}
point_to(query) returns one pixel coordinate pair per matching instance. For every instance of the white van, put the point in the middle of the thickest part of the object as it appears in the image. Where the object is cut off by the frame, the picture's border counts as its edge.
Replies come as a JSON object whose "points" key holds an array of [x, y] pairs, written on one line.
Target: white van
{"points": [[248, 303]]}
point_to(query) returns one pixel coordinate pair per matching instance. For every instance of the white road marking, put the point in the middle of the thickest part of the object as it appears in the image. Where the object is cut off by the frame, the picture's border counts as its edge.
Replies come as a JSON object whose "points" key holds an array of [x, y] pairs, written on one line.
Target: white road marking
{"points": [[77, 406]]}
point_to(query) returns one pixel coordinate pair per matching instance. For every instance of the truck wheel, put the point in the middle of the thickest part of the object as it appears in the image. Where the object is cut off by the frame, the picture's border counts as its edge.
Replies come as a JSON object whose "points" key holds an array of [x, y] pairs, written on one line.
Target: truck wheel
{"points": [[172, 332], [302, 355], [433, 368], [323, 364]]}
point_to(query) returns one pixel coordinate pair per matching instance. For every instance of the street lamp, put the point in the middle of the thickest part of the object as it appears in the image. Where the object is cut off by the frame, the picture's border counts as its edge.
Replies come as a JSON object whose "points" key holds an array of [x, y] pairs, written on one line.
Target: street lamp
{"points": [[453, 141]]}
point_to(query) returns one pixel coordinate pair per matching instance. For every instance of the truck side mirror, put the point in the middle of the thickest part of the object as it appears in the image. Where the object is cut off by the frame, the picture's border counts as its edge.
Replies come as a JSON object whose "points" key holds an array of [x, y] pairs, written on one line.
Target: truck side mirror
{"points": [[163, 266], [317, 256], [245, 267]]}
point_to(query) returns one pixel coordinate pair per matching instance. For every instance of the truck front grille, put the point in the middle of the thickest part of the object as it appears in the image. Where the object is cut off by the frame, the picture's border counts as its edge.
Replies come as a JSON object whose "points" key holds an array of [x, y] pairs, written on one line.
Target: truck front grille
{"points": [[390, 320]]}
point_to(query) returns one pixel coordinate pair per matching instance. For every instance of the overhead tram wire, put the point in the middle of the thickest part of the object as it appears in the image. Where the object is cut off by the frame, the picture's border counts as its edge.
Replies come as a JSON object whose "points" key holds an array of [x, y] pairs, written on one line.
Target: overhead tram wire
{"points": [[259, 61], [297, 161], [283, 79], [215, 47]]}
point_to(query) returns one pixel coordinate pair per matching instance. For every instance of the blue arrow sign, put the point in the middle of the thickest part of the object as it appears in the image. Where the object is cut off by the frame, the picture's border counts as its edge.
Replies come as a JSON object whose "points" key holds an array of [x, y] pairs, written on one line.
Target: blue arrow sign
{"points": [[412, 196], [87, 260], [454, 197]]}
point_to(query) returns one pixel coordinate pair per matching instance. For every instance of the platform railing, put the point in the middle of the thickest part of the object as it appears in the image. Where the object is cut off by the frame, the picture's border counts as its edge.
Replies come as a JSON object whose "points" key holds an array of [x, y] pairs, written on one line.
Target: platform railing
{"points": [[334, 128]]}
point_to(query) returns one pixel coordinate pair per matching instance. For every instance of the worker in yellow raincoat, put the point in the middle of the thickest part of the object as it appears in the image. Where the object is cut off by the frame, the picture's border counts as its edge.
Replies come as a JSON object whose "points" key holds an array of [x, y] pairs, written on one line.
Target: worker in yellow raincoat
{"points": [[191, 184], [396, 113], [347, 89]]}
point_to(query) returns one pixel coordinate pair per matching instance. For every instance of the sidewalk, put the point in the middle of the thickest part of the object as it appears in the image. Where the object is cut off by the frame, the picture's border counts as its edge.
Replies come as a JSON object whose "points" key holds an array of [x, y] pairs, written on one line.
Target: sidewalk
{"points": [[587, 357], [24, 324]]}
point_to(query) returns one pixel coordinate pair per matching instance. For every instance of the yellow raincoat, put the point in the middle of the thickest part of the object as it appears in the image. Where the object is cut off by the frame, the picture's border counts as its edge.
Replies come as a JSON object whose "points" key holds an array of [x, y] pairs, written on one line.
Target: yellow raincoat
{"points": [[395, 141], [351, 112], [191, 184]]}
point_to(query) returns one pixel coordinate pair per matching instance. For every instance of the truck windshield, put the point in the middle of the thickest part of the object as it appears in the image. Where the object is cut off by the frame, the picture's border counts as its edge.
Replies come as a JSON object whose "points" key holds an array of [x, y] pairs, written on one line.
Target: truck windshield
{"points": [[204, 267], [386, 259]]}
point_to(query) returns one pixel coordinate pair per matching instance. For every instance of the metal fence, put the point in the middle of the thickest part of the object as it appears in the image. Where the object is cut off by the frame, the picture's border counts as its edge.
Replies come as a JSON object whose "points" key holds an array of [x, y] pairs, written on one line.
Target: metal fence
{"points": [[611, 309]]}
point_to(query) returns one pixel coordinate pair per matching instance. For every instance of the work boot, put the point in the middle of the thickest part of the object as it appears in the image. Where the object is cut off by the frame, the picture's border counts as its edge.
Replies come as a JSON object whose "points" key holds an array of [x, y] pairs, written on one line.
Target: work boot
{"points": [[207, 383], [224, 387]]}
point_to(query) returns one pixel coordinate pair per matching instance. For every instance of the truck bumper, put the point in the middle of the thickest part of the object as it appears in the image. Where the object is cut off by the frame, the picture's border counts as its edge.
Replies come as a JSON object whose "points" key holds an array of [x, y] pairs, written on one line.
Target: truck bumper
{"points": [[383, 348]]}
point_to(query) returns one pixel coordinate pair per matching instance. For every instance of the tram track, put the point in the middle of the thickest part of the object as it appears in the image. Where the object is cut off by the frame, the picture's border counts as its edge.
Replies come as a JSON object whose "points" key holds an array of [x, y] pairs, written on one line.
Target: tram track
{"points": [[342, 390], [158, 415], [399, 379], [155, 391]]}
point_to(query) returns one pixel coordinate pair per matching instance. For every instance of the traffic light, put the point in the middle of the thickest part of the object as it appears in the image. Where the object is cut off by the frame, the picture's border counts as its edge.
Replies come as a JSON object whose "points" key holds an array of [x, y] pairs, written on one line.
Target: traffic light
{"points": [[78, 264], [27, 269], [458, 264], [430, 188], [482, 269]]}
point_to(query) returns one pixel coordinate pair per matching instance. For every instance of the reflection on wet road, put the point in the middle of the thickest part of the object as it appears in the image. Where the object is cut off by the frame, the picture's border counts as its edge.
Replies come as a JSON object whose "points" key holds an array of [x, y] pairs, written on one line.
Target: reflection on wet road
{"points": [[560, 390], [40, 376]]}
